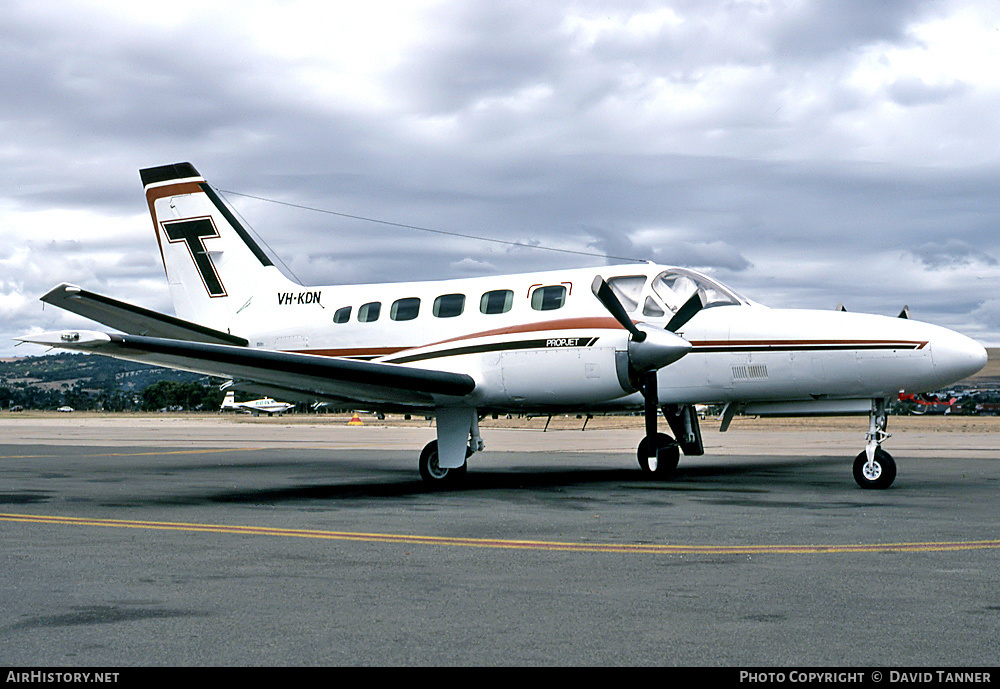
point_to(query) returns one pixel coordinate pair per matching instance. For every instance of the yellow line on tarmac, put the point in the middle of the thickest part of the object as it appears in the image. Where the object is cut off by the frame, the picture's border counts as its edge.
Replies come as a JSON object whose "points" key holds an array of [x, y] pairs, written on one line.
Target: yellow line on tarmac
{"points": [[141, 454], [650, 549]]}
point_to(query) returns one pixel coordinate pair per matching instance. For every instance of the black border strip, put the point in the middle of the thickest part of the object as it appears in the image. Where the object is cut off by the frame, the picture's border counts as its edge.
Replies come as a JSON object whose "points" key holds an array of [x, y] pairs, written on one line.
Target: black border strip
{"points": [[493, 347]]}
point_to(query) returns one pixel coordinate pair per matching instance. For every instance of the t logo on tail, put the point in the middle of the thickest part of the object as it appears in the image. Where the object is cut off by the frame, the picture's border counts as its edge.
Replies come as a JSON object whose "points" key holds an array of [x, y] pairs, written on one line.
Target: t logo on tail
{"points": [[193, 234]]}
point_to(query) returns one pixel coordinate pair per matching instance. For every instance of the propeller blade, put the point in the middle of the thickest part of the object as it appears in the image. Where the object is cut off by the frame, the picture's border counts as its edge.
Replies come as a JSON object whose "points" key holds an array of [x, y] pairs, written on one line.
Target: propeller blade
{"points": [[686, 312], [602, 290]]}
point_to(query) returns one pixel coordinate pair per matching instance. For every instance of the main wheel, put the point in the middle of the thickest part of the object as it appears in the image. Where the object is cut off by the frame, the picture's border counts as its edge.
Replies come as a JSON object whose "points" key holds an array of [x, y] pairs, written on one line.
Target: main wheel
{"points": [[434, 474], [880, 475], [667, 456]]}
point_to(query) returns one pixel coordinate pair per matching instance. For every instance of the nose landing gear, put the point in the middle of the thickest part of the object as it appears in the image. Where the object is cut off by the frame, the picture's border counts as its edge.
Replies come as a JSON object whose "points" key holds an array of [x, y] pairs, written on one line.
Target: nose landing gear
{"points": [[875, 468]]}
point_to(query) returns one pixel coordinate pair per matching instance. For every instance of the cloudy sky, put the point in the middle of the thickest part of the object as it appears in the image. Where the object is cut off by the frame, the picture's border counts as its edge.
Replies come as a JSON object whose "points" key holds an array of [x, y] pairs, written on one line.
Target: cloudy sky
{"points": [[806, 152]]}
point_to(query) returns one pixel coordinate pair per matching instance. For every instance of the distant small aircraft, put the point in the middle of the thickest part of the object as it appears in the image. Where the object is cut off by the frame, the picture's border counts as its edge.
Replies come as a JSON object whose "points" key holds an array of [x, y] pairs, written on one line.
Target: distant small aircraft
{"points": [[265, 405], [655, 338]]}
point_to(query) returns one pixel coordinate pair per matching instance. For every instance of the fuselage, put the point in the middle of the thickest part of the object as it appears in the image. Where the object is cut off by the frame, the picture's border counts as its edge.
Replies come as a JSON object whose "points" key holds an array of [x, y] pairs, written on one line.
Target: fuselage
{"points": [[543, 341]]}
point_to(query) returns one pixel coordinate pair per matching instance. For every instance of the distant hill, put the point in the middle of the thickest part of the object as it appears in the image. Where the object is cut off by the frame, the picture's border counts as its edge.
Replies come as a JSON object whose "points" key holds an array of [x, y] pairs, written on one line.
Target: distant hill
{"points": [[990, 375], [81, 381]]}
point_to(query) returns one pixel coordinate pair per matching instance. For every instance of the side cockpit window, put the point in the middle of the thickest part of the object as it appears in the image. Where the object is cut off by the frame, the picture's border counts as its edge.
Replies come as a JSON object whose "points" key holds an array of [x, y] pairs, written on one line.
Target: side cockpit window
{"points": [[628, 289]]}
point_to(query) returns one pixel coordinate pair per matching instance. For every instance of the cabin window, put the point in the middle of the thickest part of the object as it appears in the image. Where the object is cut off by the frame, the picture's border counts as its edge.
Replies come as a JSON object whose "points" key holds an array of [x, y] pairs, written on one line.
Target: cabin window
{"points": [[497, 301], [369, 312], [342, 315], [548, 298], [449, 305], [404, 309]]}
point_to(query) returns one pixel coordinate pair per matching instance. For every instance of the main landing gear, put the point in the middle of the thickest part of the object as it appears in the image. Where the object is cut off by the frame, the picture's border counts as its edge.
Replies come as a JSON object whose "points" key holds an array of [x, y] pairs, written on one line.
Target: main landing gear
{"points": [[444, 462], [662, 462], [875, 468]]}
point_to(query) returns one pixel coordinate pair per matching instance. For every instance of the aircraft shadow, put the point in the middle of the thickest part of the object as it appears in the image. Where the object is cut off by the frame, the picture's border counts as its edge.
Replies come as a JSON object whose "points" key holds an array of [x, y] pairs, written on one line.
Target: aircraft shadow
{"points": [[799, 473]]}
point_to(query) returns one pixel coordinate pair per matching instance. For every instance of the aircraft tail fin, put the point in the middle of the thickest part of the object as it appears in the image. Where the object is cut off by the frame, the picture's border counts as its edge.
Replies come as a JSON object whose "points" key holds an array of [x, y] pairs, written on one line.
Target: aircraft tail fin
{"points": [[214, 267]]}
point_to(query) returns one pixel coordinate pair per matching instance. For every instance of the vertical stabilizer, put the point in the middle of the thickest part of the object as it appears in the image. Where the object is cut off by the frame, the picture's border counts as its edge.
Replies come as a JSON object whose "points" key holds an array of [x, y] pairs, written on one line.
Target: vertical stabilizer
{"points": [[214, 267]]}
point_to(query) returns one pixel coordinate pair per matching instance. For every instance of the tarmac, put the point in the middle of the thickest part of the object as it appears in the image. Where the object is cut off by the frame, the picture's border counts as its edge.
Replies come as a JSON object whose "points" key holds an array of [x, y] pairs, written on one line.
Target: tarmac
{"points": [[163, 540]]}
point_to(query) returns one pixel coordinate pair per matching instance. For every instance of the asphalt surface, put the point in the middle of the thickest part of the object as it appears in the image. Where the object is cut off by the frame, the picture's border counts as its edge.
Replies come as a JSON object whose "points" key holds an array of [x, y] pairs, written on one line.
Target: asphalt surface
{"points": [[182, 547]]}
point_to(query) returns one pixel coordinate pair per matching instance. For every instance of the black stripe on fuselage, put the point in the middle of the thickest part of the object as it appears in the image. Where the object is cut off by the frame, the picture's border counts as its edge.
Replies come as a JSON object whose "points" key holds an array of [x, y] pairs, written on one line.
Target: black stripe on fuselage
{"points": [[806, 347], [698, 349], [541, 343]]}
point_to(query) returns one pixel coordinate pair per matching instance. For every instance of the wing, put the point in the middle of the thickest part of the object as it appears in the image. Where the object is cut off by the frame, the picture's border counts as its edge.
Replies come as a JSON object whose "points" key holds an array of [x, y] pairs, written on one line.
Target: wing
{"points": [[132, 319], [306, 376]]}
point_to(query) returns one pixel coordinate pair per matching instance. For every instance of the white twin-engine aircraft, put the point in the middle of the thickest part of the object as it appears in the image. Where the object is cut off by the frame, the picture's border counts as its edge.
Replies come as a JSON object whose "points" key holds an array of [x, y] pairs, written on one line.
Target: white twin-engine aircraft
{"points": [[615, 338], [265, 405]]}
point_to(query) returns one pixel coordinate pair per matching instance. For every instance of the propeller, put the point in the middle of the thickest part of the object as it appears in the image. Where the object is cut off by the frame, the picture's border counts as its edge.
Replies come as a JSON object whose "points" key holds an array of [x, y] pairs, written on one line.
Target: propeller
{"points": [[649, 349]]}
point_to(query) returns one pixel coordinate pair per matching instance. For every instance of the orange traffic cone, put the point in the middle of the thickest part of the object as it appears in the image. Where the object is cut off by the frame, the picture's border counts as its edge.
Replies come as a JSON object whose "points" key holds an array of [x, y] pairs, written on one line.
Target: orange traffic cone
{"points": [[355, 420]]}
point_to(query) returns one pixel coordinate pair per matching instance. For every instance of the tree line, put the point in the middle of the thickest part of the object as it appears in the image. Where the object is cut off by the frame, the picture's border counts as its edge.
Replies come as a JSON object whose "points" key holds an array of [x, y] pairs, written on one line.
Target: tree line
{"points": [[165, 394]]}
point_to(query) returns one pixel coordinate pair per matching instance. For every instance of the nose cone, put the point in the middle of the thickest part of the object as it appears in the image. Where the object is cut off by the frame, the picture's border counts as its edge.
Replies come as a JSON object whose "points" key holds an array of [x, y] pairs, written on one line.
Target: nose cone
{"points": [[956, 356]]}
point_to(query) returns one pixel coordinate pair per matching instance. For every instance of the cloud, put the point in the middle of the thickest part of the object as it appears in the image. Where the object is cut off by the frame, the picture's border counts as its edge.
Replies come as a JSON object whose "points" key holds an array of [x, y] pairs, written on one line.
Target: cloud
{"points": [[912, 90], [952, 252], [988, 313]]}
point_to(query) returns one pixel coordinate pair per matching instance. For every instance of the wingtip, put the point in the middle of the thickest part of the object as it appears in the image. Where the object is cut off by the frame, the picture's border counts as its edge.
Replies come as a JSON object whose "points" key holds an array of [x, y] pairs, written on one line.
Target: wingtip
{"points": [[66, 338], [60, 289]]}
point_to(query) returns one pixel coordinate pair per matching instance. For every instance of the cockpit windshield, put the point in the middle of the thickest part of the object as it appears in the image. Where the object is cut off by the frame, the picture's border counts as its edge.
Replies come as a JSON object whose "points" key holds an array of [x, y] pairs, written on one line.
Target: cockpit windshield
{"points": [[675, 286]]}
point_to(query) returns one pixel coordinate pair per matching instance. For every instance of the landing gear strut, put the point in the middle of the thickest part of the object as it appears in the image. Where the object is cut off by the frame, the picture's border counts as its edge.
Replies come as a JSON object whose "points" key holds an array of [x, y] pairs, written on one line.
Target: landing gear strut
{"points": [[875, 468]]}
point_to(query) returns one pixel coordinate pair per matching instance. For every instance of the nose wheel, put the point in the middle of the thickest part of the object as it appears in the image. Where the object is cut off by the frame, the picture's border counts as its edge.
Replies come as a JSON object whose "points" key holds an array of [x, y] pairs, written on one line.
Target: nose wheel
{"points": [[879, 473]]}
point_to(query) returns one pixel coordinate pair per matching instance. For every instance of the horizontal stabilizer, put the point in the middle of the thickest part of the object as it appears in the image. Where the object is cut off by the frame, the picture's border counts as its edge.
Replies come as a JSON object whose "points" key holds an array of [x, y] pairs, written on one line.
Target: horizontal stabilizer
{"points": [[134, 320]]}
